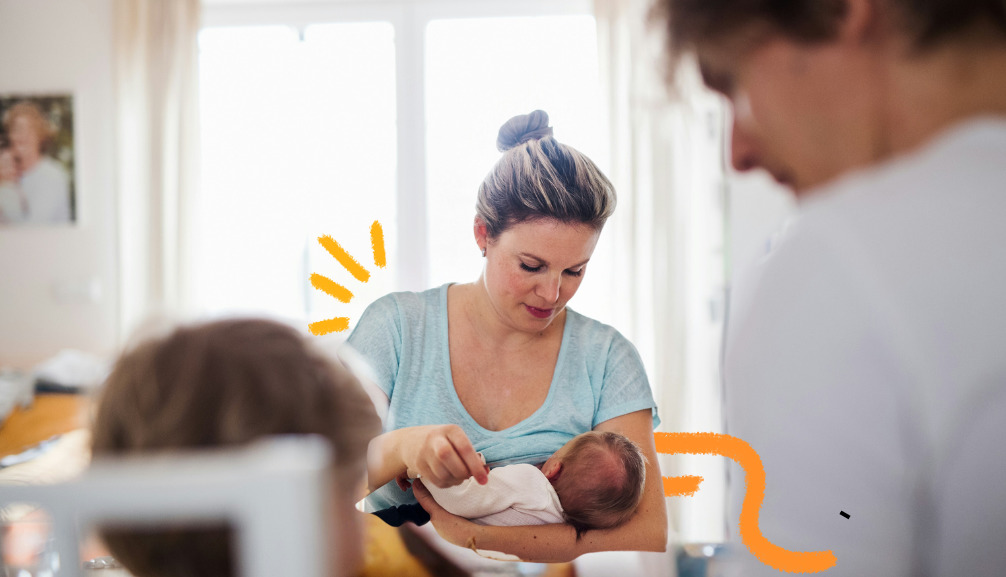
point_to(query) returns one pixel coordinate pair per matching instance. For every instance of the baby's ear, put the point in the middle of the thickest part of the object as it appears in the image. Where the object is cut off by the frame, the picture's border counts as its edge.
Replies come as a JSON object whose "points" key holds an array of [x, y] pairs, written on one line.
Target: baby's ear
{"points": [[551, 469]]}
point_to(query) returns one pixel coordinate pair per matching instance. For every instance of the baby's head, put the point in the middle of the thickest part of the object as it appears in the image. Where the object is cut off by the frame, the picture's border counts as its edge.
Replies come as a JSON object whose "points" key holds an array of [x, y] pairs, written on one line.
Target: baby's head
{"points": [[599, 479]]}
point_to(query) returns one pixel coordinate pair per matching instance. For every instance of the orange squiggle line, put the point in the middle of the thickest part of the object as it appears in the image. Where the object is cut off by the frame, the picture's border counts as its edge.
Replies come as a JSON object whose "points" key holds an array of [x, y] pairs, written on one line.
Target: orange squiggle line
{"points": [[348, 262], [738, 450], [377, 241], [330, 287], [683, 486]]}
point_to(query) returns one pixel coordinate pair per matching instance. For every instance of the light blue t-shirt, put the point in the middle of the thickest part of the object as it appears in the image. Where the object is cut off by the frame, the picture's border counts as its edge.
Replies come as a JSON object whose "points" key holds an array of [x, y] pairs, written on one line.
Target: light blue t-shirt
{"points": [[598, 376]]}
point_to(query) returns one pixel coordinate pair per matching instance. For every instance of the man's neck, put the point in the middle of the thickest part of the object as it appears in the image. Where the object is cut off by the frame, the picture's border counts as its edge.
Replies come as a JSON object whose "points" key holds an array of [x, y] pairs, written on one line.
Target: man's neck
{"points": [[930, 92]]}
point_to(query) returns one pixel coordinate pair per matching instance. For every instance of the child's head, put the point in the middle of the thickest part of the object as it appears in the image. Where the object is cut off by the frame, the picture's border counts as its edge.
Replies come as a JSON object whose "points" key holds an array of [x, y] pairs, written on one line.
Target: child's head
{"points": [[229, 383], [599, 478], [8, 166]]}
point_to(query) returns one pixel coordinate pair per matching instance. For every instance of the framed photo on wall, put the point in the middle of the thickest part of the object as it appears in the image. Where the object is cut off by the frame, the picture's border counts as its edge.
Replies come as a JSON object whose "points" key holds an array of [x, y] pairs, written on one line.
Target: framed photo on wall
{"points": [[37, 160]]}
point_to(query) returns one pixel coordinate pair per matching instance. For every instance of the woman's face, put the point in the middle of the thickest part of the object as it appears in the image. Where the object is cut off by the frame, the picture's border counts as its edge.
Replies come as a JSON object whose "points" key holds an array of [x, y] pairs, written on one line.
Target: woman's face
{"points": [[24, 140], [533, 269]]}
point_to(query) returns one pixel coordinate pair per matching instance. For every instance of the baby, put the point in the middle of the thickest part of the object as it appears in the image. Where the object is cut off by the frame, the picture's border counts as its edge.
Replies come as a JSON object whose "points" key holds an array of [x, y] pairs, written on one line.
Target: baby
{"points": [[594, 481]]}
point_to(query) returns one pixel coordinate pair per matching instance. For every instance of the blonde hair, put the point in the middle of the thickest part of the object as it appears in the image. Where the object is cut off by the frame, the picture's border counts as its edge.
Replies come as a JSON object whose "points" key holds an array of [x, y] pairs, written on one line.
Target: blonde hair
{"points": [[601, 482], [39, 123], [218, 384], [539, 178]]}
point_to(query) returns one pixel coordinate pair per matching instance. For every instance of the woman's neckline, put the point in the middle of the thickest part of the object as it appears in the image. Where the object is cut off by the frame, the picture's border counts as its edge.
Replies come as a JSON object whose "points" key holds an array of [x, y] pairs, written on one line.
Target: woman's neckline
{"points": [[449, 374]]}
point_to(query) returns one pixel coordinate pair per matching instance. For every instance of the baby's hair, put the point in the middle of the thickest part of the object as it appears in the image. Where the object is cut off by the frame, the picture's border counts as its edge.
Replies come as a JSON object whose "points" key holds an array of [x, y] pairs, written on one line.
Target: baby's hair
{"points": [[601, 482], [540, 178], [225, 383]]}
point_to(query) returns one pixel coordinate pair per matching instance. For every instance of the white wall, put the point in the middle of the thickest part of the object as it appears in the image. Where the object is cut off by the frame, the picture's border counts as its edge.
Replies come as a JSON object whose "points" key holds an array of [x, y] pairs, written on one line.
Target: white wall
{"points": [[46, 273]]}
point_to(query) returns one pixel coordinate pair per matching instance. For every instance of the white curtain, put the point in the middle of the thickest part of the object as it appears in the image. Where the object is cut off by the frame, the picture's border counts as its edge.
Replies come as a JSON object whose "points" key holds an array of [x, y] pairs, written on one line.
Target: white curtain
{"points": [[667, 166], [156, 73]]}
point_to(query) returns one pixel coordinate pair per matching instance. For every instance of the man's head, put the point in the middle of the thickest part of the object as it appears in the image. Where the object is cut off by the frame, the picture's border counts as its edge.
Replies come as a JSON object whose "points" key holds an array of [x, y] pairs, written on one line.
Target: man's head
{"points": [[811, 80], [599, 478], [228, 383]]}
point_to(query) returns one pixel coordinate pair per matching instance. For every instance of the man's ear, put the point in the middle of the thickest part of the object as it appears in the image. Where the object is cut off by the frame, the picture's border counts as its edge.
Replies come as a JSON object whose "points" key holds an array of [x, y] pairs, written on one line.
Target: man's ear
{"points": [[551, 469]]}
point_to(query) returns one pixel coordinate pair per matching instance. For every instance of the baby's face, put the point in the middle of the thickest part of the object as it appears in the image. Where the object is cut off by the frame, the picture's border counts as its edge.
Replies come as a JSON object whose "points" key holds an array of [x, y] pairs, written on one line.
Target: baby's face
{"points": [[8, 168]]}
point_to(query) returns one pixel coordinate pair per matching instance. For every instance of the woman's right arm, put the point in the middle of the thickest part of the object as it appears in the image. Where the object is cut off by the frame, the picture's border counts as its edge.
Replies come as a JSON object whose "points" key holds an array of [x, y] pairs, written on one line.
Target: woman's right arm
{"points": [[440, 454]]}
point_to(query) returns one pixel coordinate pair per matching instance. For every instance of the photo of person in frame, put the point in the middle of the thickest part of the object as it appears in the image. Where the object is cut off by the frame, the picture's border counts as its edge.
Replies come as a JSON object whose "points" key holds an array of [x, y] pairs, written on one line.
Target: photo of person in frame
{"points": [[36, 160]]}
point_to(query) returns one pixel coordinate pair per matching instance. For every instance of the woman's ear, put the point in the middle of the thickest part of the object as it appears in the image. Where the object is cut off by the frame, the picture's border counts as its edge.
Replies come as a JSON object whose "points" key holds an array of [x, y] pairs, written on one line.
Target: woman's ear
{"points": [[481, 233]]}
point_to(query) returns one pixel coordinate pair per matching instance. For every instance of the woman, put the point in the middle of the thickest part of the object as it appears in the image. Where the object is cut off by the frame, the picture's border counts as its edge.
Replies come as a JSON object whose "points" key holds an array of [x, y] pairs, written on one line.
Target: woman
{"points": [[44, 182], [501, 365]]}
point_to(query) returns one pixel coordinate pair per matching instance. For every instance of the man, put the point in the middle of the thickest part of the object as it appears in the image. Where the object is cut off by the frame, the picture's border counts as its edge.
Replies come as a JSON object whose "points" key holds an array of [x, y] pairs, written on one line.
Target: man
{"points": [[865, 363]]}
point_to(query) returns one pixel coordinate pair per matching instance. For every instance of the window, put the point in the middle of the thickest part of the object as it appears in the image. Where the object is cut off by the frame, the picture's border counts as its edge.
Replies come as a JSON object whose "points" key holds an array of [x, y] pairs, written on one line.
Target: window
{"points": [[320, 120], [470, 93], [298, 141]]}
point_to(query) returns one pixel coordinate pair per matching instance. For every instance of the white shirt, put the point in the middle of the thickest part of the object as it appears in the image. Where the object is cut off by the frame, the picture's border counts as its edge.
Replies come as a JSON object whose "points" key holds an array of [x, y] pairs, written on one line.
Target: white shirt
{"points": [[11, 209], [514, 495], [865, 363], [46, 188]]}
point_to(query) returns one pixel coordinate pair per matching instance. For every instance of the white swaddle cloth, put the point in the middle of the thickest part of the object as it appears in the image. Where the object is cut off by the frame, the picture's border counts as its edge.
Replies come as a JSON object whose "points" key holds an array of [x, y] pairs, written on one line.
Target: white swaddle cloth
{"points": [[514, 495]]}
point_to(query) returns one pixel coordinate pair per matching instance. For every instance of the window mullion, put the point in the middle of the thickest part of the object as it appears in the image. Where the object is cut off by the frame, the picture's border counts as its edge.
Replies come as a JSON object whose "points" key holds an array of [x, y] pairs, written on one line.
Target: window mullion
{"points": [[413, 269]]}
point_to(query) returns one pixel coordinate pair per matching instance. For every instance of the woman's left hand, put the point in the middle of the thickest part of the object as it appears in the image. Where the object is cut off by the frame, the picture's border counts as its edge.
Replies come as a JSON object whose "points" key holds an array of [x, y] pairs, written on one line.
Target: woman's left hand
{"points": [[454, 529]]}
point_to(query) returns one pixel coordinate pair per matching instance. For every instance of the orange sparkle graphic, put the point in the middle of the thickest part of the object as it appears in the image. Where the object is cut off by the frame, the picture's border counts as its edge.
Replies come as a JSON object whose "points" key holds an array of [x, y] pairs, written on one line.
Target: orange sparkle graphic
{"points": [[336, 290]]}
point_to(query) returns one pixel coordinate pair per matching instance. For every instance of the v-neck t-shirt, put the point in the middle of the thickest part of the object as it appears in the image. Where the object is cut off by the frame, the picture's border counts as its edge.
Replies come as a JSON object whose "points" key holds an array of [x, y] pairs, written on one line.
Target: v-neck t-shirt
{"points": [[598, 376]]}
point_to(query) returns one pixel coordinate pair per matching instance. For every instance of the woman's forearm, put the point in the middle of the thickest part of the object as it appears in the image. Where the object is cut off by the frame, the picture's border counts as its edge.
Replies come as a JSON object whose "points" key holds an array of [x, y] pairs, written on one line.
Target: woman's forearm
{"points": [[384, 461], [645, 531], [558, 543], [534, 543]]}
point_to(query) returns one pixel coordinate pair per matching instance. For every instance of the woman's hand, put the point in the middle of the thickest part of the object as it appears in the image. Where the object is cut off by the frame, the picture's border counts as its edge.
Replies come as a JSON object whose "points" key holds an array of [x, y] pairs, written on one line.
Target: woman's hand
{"points": [[440, 454]]}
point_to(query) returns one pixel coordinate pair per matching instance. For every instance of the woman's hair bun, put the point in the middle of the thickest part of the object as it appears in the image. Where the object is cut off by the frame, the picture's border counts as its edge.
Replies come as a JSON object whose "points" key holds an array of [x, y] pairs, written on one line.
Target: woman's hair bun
{"points": [[523, 128]]}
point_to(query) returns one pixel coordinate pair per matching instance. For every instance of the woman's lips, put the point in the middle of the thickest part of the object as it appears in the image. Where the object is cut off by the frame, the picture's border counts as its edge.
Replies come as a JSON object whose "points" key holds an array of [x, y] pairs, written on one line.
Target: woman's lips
{"points": [[539, 313]]}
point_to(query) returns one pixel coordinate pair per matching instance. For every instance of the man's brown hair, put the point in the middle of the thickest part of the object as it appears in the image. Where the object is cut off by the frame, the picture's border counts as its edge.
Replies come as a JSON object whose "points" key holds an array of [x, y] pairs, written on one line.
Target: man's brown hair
{"points": [[691, 25]]}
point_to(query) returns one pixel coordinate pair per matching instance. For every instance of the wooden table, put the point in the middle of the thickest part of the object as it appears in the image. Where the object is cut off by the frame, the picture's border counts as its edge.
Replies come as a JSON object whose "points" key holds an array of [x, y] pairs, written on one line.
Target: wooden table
{"points": [[49, 415], [56, 414]]}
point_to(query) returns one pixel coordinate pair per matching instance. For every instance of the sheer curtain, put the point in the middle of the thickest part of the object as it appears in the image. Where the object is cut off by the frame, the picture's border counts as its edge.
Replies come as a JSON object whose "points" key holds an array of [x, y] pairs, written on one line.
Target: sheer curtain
{"points": [[157, 153], [668, 168]]}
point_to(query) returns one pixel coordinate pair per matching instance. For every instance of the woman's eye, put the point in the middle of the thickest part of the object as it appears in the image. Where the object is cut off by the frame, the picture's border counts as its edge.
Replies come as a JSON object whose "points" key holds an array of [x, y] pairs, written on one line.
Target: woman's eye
{"points": [[529, 268], [574, 272]]}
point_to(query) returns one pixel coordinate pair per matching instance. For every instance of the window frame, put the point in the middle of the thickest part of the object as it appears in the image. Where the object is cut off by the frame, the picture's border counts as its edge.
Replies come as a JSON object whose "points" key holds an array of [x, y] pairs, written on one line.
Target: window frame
{"points": [[409, 19]]}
